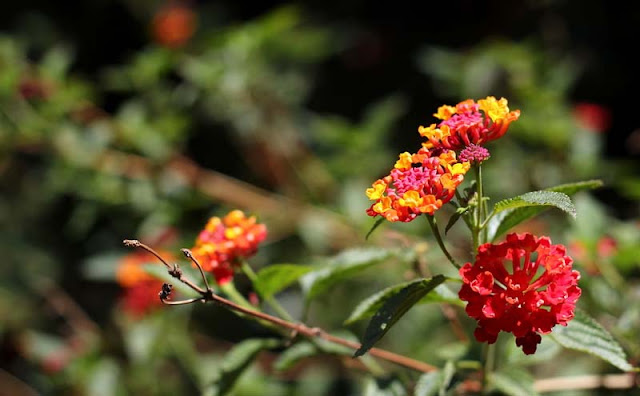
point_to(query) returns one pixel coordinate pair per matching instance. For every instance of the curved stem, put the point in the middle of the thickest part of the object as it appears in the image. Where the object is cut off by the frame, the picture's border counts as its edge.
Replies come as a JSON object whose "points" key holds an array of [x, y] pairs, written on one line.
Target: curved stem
{"points": [[436, 234]]}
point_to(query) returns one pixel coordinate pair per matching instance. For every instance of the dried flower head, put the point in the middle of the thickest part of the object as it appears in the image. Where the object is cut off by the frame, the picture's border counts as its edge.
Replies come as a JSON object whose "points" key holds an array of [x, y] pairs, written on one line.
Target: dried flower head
{"points": [[419, 183], [523, 286], [224, 241], [469, 123]]}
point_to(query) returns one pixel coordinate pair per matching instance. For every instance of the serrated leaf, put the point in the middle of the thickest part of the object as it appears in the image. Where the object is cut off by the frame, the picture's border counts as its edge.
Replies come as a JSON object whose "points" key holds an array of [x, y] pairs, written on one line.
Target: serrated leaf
{"points": [[394, 308], [236, 361], [507, 219], [347, 264], [374, 226], [512, 381], [455, 217], [277, 277], [584, 334], [369, 306], [537, 198]]}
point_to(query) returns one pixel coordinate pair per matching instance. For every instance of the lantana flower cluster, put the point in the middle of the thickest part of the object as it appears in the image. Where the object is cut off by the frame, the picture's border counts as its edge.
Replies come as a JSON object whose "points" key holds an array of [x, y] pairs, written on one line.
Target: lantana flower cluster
{"points": [[523, 286], [419, 183], [223, 242], [423, 182], [140, 289], [469, 123]]}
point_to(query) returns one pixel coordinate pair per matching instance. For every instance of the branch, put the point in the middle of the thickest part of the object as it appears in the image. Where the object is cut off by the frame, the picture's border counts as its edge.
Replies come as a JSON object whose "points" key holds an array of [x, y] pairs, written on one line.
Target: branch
{"points": [[611, 381], [297, 328]]}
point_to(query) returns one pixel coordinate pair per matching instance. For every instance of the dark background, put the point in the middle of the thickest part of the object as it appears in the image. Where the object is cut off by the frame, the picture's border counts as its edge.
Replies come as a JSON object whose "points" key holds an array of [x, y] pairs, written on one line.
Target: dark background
{"points": [[381, 58]]}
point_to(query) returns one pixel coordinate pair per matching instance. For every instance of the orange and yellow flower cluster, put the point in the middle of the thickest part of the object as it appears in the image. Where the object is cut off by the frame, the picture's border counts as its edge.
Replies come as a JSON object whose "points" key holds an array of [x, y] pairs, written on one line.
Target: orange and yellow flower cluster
{"points": [[223, 242], [419, 183], [422, 182], [469, 123]]}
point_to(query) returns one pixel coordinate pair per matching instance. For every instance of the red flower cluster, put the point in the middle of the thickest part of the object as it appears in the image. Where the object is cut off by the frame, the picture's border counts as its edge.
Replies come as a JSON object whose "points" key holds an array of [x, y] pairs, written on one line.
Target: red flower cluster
{"points": [[224, 241], [523, 286], [468, 123], [419, 183], [140, 294]]}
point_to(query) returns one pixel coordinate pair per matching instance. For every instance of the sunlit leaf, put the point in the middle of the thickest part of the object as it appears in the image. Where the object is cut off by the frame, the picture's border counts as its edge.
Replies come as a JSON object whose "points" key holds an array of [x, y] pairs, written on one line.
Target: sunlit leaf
{"points": [[368, 307], [509, 217], [347, 264], [584, 334], [512, 381], [436, 382], [537, 198], [393, 308], [277, 277]]}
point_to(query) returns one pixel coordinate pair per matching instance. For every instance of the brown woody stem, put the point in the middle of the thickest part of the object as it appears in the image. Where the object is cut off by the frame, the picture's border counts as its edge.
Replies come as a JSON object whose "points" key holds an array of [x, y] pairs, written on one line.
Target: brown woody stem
{"points": [[297, 328]]}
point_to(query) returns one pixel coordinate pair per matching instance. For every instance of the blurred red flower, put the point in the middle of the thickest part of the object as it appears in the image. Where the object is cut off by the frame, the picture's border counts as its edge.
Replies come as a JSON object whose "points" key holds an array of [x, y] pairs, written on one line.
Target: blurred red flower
{"points": [[173, 24], [592, 117]]}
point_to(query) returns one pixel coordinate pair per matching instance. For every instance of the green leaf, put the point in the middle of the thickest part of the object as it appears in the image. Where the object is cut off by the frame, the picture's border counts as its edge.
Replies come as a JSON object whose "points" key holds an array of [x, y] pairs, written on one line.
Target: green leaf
{"points": [[442, 294], [394, 308], [277, 277], [294, 354], [236, 361], [455, 217], [383, 386], [374, 226], [537, 198], [512, 381], [347, 264], [436, 382], [584, 334], [369, 306], [508, 218]]}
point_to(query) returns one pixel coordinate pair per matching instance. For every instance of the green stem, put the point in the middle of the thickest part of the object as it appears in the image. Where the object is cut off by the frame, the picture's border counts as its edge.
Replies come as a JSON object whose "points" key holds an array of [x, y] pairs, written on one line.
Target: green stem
{"points": [[273, 303], [436, 233], [489, 363], [478, 234], [234, 295]]}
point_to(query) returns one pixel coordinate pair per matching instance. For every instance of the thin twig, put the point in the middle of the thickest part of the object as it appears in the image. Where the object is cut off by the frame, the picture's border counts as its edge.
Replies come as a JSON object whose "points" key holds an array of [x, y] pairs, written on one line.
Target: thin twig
{"points": [[299, 328], [189, 255]]}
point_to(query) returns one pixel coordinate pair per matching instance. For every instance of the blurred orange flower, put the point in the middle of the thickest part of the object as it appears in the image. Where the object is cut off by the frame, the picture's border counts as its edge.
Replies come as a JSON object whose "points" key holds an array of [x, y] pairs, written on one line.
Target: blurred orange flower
{"points": [[173, 25]]}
